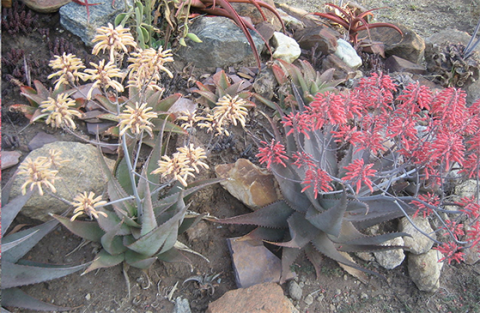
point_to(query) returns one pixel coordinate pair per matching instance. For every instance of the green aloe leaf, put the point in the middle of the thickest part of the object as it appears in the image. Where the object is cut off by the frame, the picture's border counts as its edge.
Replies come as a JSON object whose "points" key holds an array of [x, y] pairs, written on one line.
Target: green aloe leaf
{"points": [[174, 256], [263, 233], [291, 190], [148, 222], [160, 239], [314, 257], [138, 260], [325, 246], [115, 190], [103, 260], [14, 297], [289, 255], [15, 275], [274, 215], [17, 252], [111, 242], [111, 221], [165, 104], [11, 209], [107, 104], [87, 230], [329, 221], [301, 232]]}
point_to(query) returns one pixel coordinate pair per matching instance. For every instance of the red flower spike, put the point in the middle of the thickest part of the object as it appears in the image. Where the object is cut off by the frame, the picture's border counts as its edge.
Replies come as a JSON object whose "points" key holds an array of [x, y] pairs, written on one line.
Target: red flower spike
{"points": [[451, 251], [272, 153], [318, 179], [358, 171], [429, 198], [470, 206], [448, 147]]}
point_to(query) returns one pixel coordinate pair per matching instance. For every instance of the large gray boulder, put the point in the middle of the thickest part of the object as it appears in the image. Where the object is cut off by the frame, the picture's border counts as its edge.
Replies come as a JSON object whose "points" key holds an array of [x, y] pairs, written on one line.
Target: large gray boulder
{"points": [[73, 17], [223, 43], [82, 173]]}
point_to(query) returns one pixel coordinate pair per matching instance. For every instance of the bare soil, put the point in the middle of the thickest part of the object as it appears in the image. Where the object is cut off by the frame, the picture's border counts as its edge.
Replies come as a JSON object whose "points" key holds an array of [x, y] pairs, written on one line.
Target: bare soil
{"points": [[334, 291]]}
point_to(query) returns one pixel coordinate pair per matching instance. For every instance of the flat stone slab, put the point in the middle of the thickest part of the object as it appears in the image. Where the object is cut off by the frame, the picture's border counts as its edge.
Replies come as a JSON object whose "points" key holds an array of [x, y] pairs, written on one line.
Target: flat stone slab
{"points": [[73, 18], [253, 263]]}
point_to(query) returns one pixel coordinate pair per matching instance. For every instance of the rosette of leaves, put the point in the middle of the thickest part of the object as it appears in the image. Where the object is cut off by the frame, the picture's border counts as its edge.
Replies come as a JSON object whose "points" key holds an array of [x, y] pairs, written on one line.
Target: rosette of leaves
{"points": [[307, 80], [36, 96], [455, 65], [133, 238], [103, 113], [220, 86], [18, 272], [324, 221]]}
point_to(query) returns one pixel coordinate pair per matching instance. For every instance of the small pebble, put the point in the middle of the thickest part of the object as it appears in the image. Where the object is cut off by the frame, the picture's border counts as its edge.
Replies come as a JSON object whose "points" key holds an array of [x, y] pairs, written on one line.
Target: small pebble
{"points": [[345, 278], [363, 296], [294, 290], [308, 299], [320, 298], [87, 297]]}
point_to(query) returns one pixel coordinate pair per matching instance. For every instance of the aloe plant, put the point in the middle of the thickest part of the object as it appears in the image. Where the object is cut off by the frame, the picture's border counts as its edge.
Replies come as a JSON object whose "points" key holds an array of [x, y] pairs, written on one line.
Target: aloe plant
{"points": [[17, 272], [138, 235], [307, 80]]}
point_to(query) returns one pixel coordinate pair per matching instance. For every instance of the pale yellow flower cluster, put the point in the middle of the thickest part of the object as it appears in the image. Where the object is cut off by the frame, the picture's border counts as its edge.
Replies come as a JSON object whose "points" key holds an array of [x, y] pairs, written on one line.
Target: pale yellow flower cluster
{"points": [[146, 66], [59, 112], [40, 173], [102, 76], [137, 119], [114, 40], [182, 164], [87, 205], [227, 111], [68, 66]]}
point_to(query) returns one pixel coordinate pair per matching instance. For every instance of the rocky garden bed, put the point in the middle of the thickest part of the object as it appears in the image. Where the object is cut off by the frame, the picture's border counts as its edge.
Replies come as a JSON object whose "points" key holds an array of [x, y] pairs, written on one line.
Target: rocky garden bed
{"points": [[243, 170]]}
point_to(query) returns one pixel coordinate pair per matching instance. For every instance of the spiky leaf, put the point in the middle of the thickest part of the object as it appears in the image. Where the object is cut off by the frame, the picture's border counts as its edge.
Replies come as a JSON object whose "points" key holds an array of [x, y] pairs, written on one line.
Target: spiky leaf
{"points": [[16, 275], [138, 260], [103, 260], [15, 254], [14, 297], [11, 209], [113, 243], [160, 239], [87, 230], [274, 215], [329, 221]]}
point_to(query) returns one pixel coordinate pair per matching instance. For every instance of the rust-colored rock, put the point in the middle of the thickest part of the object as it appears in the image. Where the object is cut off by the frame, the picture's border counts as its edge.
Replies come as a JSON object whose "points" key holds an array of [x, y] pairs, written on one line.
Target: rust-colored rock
{"points": [[342, 70], [254, 186], [254, 264], [410, 47], [263, 298], [322, 38], [397, 64]]}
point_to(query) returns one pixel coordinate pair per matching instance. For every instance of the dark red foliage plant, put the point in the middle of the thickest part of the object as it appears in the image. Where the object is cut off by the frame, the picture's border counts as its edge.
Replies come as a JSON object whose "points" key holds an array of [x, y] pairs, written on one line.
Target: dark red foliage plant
{"points": [[353, 159]]}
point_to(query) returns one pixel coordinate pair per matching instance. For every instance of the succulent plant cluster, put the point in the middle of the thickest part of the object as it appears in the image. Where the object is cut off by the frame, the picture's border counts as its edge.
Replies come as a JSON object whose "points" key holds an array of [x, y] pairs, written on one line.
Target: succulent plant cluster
{"points": [[355, 159], [451, 68]]}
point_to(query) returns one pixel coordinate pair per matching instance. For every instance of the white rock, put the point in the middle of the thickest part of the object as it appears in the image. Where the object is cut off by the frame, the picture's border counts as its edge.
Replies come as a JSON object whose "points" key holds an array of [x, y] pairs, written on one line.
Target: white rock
{"points": [[391, 258], [424, 270], [466, 189], [286, 48], [348, 55], [418, 243]]}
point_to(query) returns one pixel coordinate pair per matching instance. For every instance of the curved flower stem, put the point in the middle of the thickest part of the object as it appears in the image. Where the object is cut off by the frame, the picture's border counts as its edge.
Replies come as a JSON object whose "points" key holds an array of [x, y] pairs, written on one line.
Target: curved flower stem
{"points": [[132, 176]]}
